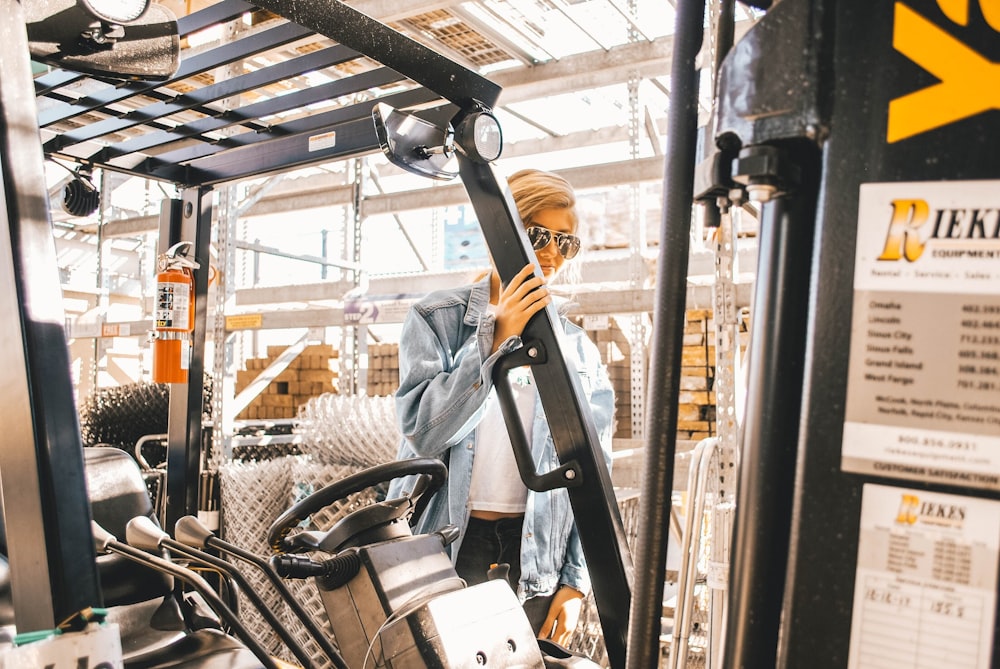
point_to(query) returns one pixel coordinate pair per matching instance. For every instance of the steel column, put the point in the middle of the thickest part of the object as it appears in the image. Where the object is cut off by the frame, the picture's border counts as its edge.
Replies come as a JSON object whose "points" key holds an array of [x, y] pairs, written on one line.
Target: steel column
{"points": [[47, 511], [767, 463], [668, 335], [188, 219]]}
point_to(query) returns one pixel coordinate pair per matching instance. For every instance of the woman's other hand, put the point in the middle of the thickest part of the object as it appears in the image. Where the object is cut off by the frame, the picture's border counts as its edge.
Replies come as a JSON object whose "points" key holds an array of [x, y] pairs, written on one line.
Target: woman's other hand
{"points": [[564, 613], [522, 298]]}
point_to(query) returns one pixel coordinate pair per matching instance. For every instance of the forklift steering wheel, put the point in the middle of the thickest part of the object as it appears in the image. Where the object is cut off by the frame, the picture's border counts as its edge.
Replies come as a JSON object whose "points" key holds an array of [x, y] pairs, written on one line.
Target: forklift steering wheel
{"points": [[431, 471]]}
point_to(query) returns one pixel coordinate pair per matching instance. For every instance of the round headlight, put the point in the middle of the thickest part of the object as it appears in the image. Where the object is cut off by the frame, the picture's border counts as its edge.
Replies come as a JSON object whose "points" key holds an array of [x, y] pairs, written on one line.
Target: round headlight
{"points": [[478, 136], [117, 11]]}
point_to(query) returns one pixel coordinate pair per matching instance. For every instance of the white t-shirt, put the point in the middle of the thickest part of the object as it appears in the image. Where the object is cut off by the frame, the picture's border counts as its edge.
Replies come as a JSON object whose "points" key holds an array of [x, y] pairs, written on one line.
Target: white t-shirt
{"points": [[496, 483]]}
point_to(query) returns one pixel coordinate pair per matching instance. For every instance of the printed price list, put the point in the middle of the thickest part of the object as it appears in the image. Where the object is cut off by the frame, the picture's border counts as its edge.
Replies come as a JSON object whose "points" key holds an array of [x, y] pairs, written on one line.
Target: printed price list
{"points": [[952, 562], [979, 348]]}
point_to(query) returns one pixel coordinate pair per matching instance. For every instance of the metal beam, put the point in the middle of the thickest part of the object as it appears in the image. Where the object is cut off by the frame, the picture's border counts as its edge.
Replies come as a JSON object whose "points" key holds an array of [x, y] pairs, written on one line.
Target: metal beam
{"points": [[594, 270], [591, 176], [46, 511], [582, 469], [188, 219], [283, 201], [388, 11], [268, 250], [335, 290], [617, 134], [126, 227], [597, 302], [592, 69], [595, 293], [286, 146], [315, 191]]}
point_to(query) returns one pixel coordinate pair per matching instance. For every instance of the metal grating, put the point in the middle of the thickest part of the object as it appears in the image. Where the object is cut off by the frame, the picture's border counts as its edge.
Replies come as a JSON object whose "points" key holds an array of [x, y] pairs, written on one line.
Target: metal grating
{"points": [[459, 36]]}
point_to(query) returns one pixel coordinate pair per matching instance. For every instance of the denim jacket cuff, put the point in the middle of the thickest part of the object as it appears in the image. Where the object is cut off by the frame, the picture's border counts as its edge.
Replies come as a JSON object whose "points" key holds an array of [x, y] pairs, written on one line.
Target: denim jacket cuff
{"points": [[575, 578], [484, 339]]}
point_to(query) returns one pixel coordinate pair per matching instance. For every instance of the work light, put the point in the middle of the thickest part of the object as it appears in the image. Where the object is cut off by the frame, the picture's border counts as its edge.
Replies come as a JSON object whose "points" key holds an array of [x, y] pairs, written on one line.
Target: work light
{"points": [[117, 11], [129, 39], [479, 137]]}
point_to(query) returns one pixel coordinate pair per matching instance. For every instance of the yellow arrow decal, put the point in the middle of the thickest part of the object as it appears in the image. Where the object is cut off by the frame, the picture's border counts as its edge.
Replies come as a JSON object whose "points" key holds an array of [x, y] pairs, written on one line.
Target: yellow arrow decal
{"points": [[969, 84]]}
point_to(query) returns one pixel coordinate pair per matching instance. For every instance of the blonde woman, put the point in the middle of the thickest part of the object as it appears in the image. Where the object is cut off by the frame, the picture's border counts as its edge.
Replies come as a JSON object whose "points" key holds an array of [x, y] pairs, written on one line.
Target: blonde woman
{"points": [[447, 408]]}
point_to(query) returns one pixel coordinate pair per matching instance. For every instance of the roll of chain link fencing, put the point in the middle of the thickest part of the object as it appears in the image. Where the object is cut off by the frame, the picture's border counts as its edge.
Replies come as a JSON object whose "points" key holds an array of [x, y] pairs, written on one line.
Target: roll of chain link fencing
{"points": [[338, 435]]}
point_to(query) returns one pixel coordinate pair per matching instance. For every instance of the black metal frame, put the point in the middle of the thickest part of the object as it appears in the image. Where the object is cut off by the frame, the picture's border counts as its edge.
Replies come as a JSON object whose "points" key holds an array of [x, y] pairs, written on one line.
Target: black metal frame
{"points": [[46, 512], [573, 433], [192, 157], [814, 143]]}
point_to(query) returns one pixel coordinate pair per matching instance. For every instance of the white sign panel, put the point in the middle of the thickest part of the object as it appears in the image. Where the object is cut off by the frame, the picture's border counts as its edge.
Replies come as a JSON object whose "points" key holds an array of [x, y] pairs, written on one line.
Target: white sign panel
{"points": [[923, 387], [925, 588]]}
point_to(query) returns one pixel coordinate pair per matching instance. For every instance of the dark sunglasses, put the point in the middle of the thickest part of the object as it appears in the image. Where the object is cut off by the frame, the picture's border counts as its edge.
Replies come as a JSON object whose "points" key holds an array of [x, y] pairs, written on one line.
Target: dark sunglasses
{"points": [[568, 245]]}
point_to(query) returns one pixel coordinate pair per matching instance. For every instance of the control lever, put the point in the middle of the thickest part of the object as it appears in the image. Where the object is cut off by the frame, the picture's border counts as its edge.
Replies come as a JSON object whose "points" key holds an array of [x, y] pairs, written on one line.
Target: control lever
{"points": [[448, 534], [190, 531], [105, 542], [141, 532]]}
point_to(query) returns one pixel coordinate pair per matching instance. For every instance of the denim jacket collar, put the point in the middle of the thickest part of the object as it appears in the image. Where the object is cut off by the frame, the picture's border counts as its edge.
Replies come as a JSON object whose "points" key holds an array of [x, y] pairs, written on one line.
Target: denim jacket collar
{"points": [[479, 301]]}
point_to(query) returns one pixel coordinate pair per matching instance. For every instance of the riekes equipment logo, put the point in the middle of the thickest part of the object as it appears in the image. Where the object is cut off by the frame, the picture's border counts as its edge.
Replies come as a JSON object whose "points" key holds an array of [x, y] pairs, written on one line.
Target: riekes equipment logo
{"points": [[968, 82], [913, 510], [956, 232]]}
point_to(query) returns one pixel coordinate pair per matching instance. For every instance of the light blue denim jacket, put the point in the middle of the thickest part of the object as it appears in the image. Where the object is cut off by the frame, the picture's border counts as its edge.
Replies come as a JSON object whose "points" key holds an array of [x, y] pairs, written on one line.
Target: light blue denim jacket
{"points": [[445, 369]]}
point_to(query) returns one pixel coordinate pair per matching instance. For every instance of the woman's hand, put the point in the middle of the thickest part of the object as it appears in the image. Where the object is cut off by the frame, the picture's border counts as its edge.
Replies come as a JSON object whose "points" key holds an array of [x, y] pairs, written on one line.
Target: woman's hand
{"points": [[521, 299], [564, 613]]}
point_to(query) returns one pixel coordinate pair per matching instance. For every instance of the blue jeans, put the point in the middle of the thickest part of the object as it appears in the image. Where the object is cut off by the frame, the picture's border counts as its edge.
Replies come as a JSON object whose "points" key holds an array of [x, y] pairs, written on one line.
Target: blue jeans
{"points": [[489, 542]]}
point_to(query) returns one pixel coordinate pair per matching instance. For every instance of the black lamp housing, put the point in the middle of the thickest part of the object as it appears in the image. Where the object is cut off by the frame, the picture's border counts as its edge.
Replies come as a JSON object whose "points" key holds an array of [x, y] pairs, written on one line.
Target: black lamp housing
{"points": [[479, 137], [127, 39], [80, 196]]}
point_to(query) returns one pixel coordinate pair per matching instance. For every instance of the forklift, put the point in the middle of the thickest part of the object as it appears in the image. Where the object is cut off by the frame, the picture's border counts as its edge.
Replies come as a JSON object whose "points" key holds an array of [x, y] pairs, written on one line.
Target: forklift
{"points": [[868, 457]]}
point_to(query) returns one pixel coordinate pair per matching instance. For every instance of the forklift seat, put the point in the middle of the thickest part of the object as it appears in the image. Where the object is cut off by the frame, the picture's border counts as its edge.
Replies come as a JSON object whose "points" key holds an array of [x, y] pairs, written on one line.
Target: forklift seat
{"points": [[140, 600]]}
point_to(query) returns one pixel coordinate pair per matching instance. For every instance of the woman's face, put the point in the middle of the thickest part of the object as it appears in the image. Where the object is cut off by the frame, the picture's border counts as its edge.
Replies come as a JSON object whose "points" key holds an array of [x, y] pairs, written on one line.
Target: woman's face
{"points": [[556, 220]]}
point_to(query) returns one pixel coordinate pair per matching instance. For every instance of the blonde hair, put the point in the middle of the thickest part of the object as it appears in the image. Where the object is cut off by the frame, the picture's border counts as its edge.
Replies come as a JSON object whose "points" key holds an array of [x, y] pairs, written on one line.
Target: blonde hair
{"points": [[535, 190]]}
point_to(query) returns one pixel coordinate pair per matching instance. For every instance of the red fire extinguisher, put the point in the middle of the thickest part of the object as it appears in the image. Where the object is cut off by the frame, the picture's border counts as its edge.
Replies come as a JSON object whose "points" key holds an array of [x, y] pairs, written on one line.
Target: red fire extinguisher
{"points": [[174, 315]]}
